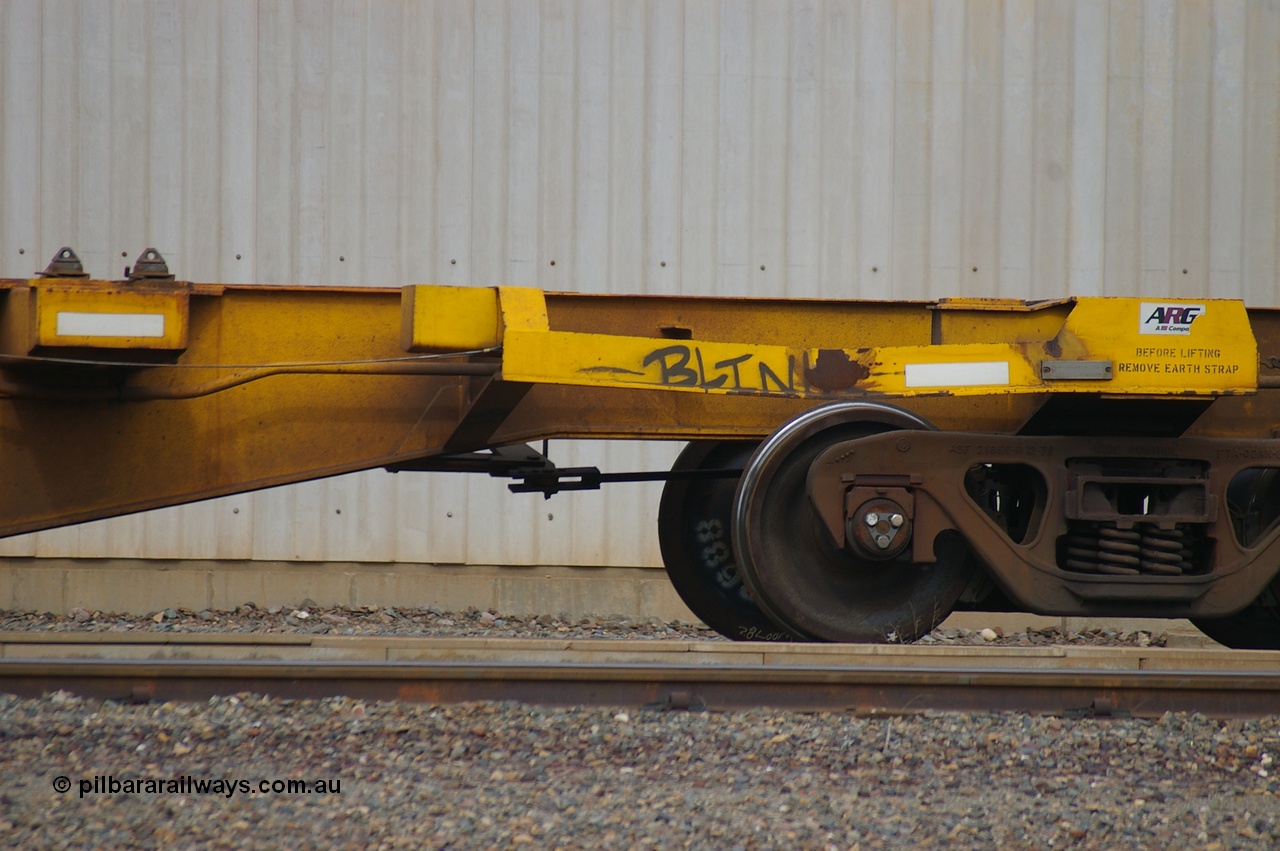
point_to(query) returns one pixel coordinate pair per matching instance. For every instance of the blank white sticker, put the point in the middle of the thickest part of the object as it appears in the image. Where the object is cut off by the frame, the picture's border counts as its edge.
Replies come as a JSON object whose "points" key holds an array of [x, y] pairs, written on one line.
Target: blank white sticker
{"points": [[72, 324], [957, 374]]}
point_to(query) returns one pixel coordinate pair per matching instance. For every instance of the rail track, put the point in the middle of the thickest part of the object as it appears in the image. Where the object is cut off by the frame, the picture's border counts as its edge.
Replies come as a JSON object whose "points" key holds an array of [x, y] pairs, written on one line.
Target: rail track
{"points": [[865, 679]]}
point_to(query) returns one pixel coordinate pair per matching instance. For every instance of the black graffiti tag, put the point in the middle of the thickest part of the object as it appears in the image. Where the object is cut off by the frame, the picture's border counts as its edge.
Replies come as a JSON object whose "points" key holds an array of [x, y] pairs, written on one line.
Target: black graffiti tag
{"points": [[682, 366]]}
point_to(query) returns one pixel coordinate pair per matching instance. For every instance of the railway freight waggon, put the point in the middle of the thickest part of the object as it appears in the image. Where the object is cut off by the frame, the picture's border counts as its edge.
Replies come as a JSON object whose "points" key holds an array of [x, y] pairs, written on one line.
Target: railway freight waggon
{"points": [[855, 470]]}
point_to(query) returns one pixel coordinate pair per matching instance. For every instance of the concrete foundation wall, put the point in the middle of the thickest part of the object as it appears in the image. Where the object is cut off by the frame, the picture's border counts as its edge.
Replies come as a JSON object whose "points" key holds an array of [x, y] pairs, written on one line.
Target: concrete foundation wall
{"points": [[137, 586], [141, 586]]}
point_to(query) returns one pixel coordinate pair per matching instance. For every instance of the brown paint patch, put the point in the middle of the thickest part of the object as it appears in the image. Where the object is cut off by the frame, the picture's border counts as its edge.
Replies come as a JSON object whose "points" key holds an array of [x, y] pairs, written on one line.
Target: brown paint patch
{"points": [[835, 370], [1053, 348]]}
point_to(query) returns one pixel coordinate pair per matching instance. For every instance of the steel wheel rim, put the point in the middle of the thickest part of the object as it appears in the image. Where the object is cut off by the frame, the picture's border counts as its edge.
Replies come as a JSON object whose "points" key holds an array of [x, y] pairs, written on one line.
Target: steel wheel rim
{"points": [[807, 584], [700, 562]]}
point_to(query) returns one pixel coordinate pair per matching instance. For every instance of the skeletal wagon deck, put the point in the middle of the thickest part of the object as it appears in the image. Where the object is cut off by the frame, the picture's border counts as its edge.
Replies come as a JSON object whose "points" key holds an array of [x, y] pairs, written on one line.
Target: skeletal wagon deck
{"points": [[856, 469]]}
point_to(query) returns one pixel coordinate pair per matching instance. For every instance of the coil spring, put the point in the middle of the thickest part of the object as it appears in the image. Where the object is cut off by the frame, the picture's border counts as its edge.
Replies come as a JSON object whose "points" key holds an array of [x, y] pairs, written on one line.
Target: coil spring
{"points": [[1145, 548]]}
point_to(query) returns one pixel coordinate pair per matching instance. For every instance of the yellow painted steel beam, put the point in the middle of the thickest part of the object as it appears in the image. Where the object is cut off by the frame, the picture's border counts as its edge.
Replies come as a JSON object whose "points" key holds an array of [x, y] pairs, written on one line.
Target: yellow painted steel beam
{"points": [[276, 385], [59, 314], [1102, 345], [273, 385]]}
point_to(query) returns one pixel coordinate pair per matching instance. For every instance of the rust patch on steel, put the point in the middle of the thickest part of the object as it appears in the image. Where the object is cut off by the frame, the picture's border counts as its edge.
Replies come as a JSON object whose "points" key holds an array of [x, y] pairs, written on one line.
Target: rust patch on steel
{"points": [[835, 370], [1053, 348]]}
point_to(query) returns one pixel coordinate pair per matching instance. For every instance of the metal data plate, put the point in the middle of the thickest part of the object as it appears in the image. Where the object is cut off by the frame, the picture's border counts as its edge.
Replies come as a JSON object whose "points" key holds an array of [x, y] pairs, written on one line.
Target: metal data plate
{"points": [[1076, 370]]}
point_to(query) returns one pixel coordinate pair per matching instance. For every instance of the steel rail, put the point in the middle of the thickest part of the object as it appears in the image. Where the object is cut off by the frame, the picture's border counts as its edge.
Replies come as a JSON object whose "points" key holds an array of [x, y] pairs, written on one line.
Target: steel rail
{"points": [[869, 690], [681, 675]]}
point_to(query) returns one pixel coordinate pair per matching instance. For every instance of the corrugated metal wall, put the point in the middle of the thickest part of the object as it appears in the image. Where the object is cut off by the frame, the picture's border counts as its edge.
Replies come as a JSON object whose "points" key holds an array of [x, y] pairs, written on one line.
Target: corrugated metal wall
{"points": [[1029, 148]]}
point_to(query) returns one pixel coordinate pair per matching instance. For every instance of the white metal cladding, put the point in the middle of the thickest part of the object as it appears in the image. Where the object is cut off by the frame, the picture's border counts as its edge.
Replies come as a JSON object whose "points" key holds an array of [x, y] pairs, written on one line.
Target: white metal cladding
{"points": [[1028, 148]]}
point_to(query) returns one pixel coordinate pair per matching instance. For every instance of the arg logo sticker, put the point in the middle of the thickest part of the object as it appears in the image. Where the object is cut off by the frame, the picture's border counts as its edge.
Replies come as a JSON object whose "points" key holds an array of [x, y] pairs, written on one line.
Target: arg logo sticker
{"points": [[1157, 318]]}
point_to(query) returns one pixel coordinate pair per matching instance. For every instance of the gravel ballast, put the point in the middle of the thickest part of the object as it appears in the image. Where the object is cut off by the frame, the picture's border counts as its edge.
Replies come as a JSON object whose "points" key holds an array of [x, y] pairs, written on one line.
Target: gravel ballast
{"points": [[309, 619], [506, 775]]}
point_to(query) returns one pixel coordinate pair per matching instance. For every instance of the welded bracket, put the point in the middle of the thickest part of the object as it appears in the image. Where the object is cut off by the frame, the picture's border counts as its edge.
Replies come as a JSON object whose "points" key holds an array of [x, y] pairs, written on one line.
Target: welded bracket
{"points": [[65, 264]]}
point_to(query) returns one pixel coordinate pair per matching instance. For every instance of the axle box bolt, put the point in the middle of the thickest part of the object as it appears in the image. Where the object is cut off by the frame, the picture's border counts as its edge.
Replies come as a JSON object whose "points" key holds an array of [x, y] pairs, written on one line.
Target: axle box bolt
{"points": [[883, 531]]}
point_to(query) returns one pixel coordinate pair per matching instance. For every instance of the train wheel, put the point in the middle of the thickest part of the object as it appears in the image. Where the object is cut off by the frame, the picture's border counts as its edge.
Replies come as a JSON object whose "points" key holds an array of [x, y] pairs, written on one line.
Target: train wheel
{"points": [[694, 522], [1254, 502], [795, 571], [1257, 627]]}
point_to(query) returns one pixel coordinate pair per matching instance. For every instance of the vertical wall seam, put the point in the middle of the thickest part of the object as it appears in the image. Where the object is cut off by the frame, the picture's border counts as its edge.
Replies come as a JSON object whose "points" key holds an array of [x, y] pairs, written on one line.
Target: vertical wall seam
{"points": [[1140, 177], [472, 135], [1069, 167], [964, 261], [1210, 151], [1245, 148], [252, 247], [677, 227], [647, 125], [149, 40], [6, 34], [930, 167], [1174, 91], [997, 261], [889, 253], [1106, 134], [220, 98], [38, 183], [1034, 235]]}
